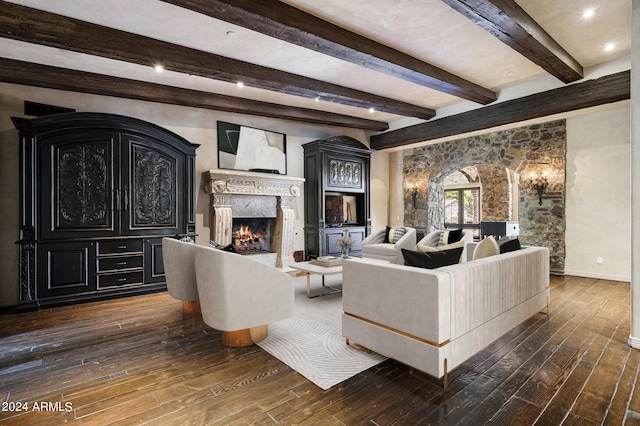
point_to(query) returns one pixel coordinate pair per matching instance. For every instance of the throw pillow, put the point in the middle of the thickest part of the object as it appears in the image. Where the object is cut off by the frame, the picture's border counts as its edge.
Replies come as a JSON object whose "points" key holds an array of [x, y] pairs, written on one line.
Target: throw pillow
{"points": [[392, 235], [485, 248], [386, 234], [454, 236], [398, 233], [230, 248], [432, 260], [509, 244], [429, 249]]}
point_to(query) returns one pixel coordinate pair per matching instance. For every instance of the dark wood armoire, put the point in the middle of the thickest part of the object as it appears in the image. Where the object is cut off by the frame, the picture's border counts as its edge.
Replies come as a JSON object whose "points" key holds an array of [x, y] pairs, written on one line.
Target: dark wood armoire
{"points": [[97, 194], [336, 195]]}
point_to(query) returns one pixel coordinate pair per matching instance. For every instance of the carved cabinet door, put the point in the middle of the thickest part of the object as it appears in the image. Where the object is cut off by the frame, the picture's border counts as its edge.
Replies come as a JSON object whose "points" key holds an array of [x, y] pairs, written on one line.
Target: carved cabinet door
{"points": [[150, 185], [79, 175]]}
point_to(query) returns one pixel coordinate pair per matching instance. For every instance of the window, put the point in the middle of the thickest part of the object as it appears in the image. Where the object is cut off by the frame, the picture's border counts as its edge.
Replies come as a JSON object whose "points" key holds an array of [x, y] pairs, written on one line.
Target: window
{"points": [[462, 208]]}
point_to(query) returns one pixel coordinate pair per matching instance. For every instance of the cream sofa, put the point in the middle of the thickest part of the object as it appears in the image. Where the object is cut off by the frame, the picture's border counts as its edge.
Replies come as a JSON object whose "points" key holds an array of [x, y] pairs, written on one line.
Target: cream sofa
{"points": [[434, 320]]}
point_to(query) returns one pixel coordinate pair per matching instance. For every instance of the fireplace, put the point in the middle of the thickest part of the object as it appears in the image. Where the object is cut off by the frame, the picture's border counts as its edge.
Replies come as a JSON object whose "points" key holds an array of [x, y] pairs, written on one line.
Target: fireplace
{"points": [[251, 235], [240, 197]]}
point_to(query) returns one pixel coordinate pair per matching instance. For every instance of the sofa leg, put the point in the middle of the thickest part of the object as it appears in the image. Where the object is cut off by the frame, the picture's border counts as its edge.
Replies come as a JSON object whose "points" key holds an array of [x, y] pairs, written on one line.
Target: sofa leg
{"points": [[548, 303], [245, 337], [191, 307], [446, 374], [357, 346]]}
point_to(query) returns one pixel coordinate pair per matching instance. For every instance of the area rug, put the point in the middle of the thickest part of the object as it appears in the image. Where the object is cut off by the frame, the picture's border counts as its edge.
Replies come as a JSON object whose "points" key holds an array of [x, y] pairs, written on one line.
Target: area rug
{"points": [[311, 341]]}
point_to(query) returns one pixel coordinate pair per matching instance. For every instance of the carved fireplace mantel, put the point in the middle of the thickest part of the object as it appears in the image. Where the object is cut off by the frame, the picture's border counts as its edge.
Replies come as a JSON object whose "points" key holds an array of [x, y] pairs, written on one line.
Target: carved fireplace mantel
{"points": [[248, 194], [248, 183]]}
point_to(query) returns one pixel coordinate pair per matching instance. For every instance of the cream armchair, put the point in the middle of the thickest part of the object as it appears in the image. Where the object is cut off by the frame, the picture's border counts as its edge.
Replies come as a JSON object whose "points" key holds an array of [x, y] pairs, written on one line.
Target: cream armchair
{"points": [[432, 239], [374, 247], [240, 296], [180, 272]]}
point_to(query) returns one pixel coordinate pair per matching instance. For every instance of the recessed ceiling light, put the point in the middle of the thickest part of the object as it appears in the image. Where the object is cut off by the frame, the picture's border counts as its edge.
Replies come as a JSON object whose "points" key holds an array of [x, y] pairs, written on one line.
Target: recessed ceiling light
{"points": [[588, 13], [610, 46], [158, 68], [240, 84], [317, 99], [372, 110]]}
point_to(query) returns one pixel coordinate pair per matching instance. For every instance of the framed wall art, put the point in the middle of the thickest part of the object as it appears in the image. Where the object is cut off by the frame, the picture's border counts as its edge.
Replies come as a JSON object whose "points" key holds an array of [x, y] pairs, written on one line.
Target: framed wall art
{"points": [[247, 148]]}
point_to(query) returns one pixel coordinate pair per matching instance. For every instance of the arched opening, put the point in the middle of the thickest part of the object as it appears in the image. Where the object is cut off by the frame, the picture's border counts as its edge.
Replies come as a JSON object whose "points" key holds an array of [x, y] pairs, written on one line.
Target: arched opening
{"points": [[479, 193], [523, 152]]}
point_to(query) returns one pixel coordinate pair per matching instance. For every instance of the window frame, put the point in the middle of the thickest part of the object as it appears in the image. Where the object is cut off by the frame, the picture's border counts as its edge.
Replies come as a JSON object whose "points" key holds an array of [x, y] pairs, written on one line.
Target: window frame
{"points": [[461, 188]]}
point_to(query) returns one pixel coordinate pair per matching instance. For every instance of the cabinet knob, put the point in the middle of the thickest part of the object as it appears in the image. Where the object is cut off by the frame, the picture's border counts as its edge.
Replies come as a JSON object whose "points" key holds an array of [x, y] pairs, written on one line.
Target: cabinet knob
{"points": [[121, 280], [121, 263]]}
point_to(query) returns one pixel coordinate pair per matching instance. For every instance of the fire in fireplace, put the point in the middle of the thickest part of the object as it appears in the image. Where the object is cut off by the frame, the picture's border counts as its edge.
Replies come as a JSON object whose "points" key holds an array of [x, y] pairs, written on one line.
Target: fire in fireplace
{"points": [[251, 236]]}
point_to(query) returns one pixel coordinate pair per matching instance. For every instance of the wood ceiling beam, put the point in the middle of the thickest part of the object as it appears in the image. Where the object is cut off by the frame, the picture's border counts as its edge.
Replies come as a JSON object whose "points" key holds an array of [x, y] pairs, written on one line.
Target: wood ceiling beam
{"points": [[508, 22], [30, 74], [279, 20], [34, 26], [604, 90]]}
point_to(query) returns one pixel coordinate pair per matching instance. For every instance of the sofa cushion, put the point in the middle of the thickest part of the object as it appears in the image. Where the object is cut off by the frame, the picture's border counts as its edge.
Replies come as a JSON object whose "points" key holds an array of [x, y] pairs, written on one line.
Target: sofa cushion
{"points": [[432, 260], [393, 234], [430, 249], [509, 244], [485, 248]]}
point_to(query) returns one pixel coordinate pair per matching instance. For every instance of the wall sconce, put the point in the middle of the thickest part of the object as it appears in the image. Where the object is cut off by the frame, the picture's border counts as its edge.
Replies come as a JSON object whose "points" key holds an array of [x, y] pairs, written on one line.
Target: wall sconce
{"points": [[539, 184], [414, 193]]}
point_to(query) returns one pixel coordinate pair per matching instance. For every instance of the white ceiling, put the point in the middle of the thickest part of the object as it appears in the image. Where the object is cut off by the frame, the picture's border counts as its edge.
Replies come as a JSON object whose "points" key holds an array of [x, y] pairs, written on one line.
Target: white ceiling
{"points": [[427, 29]]}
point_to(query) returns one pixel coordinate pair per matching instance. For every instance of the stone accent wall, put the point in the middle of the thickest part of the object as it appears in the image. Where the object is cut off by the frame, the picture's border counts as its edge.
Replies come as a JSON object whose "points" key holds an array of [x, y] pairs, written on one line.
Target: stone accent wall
{"points": [[525, 150], [496, 193]]}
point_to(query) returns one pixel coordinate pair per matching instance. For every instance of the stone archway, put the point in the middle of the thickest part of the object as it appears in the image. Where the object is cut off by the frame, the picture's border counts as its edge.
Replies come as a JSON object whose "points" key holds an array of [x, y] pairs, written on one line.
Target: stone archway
{"points": [[526, 151]]}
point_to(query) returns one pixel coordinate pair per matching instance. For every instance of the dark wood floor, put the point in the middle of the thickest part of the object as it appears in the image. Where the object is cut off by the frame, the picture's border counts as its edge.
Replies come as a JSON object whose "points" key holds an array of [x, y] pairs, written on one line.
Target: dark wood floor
{"points": [[140, 360]]}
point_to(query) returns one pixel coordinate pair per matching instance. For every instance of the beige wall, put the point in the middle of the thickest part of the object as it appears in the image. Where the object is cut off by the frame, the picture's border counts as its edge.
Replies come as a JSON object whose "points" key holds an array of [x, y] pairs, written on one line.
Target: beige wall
{"points": [[598, 188], [379, 189], [196, 125]]}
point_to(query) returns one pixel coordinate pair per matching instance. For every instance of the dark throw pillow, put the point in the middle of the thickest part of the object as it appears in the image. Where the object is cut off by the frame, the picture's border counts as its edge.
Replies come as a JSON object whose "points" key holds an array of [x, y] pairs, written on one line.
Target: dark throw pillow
{"points": [[508, 244], [432, 260], [386, 234], [455, 235], [230, 248]]}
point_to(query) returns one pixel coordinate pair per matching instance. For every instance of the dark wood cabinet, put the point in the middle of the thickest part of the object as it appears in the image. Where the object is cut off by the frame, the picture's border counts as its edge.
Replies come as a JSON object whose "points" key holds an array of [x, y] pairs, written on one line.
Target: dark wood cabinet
{"points": [[336, 198], [97, 194], [357, 233]]}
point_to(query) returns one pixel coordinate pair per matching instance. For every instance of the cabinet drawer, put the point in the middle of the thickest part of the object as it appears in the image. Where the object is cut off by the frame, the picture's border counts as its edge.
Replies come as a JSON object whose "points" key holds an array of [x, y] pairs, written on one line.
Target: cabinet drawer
{"points": [[118, 279], [118, 263], [119, 246]]}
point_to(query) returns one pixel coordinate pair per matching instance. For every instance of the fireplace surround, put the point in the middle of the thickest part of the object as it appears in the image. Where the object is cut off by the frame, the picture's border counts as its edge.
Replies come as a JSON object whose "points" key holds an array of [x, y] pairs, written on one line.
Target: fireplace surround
{"points": [[239, 194]]}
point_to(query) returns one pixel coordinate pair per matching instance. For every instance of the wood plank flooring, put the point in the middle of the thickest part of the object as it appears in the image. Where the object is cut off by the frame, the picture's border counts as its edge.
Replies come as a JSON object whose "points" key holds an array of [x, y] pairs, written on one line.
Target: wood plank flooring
{"points": [[141, 361]]}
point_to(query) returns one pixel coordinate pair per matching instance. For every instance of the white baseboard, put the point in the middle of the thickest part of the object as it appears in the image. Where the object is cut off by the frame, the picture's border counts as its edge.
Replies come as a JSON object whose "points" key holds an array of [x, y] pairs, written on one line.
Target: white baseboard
{"points": [[598, 276], [634, 342]]}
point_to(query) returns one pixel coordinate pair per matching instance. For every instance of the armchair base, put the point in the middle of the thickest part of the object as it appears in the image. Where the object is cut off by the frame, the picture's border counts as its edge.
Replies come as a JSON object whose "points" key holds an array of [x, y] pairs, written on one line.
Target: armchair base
{"points": [[244, 337], [191, 307]]}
